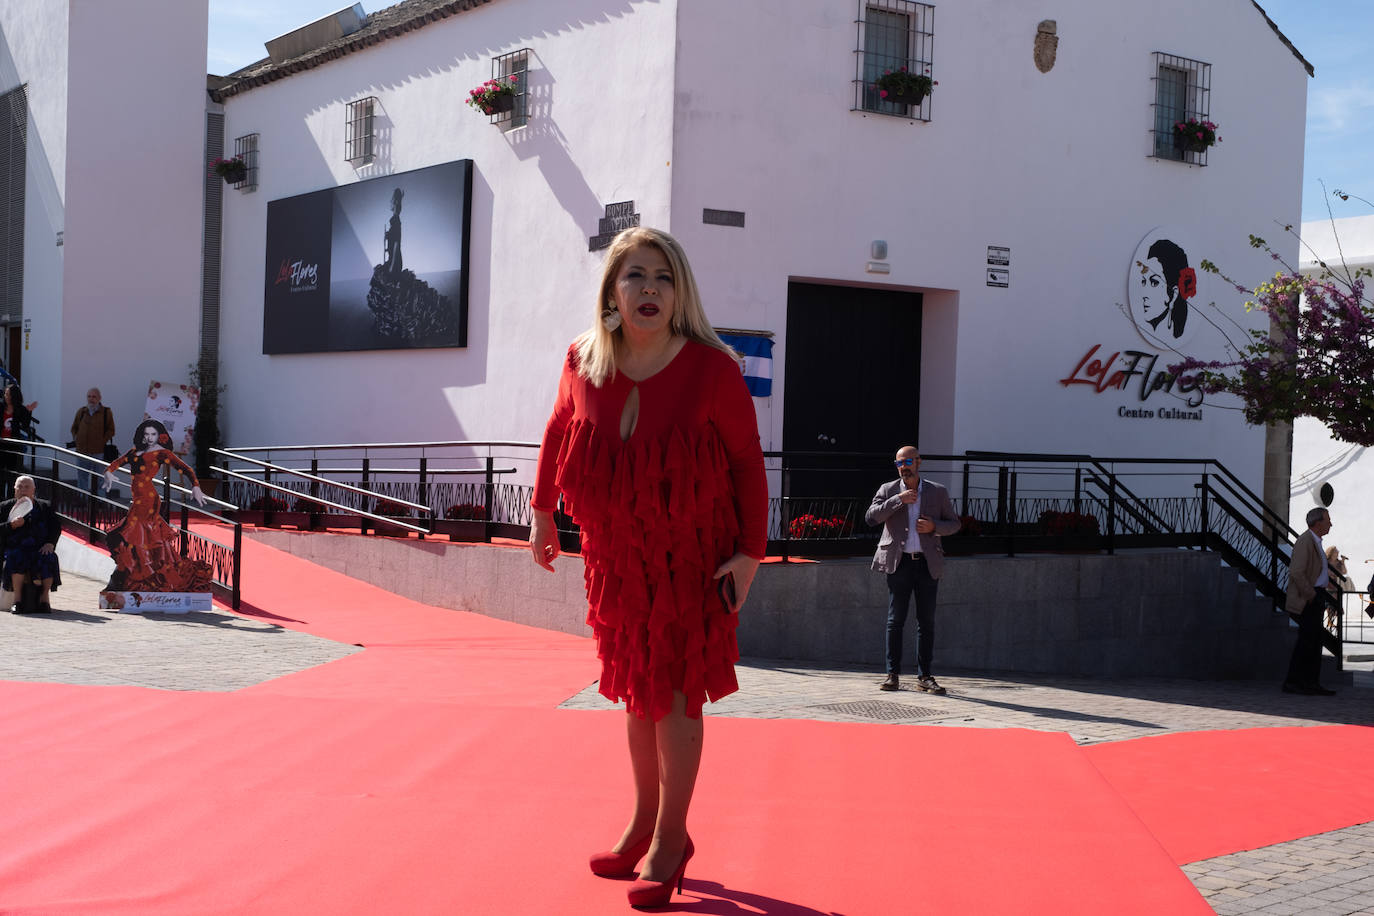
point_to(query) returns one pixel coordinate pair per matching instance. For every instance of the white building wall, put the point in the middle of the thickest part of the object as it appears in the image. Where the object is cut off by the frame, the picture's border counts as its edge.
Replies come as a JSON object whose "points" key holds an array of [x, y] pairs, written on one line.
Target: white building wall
{"points": [[600, 132], [33, 52], [134, 180], [752, 112], [1055, 166], [1317, 457]]}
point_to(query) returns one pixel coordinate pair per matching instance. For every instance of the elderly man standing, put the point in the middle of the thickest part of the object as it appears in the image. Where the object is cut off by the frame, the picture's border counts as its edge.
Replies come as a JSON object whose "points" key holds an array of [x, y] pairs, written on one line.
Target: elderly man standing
{"points": [[1307, 579], [92, 427], [914, 514]]}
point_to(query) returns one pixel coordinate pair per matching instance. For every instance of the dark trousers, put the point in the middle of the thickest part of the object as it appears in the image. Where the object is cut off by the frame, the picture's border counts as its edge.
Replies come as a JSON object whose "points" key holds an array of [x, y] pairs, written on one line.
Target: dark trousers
{"points": [[912, 577], [1305, 664]]}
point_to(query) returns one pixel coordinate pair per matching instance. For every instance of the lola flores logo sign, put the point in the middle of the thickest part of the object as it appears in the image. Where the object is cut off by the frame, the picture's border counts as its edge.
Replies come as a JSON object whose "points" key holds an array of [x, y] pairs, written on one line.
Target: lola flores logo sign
{"points": [[303, 277], [1161, 287]]}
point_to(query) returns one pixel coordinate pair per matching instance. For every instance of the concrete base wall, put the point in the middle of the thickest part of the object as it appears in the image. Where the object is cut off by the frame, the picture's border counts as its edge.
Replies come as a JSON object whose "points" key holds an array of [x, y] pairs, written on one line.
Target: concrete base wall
{"points": [[1167, 613]]}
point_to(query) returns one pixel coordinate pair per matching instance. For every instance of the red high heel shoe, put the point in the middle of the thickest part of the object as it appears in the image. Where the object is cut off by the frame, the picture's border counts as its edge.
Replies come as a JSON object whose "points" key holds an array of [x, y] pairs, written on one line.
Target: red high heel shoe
{"points": [[644, 894], [621, 864]]}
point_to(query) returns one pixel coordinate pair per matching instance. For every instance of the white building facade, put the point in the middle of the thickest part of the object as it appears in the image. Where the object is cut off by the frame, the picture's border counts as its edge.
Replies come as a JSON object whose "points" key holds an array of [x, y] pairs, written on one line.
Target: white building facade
{"points": [[965, 273], [1046, 182], [112, 171]]}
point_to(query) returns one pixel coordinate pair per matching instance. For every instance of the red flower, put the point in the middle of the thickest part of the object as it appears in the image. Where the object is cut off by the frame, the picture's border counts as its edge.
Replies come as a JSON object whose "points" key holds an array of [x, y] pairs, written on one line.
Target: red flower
{"points": [[1187, 283]]}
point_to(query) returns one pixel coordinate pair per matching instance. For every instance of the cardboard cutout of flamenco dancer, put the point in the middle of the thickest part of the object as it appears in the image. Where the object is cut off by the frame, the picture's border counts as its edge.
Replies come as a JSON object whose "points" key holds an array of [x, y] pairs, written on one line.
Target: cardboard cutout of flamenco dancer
{"points": [[150, 572]]}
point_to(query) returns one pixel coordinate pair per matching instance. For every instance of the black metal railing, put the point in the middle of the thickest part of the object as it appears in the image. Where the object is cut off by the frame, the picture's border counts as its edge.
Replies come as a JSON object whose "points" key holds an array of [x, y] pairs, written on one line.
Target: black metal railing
{"points": [[57, 473], [1010, 502], [1356, 619]]}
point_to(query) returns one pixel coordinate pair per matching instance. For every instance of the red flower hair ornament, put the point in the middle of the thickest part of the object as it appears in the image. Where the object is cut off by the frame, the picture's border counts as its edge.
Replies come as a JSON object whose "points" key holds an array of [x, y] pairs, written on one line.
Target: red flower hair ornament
{"points": [[1187, 283]]}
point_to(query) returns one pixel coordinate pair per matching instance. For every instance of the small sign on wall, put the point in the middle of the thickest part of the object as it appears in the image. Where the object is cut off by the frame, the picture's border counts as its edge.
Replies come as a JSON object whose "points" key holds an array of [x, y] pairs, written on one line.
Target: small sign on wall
{"points": [[999, 266]]}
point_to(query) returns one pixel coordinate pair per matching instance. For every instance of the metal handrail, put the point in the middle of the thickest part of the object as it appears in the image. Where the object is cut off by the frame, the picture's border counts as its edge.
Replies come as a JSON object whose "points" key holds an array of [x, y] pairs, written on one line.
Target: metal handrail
{"points": [[324, 502], [348, 488], [385, 445], [97, 466], [430, 471]]}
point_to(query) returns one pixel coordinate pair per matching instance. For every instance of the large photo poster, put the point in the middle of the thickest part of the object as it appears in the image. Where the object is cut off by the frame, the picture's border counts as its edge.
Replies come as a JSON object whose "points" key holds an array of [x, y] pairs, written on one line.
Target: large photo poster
{"points": [[377, 265]]}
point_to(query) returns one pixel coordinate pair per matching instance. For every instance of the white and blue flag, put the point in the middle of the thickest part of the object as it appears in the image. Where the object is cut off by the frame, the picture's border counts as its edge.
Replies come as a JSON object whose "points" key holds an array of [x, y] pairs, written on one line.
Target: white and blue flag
{"points": [[758, 361]]}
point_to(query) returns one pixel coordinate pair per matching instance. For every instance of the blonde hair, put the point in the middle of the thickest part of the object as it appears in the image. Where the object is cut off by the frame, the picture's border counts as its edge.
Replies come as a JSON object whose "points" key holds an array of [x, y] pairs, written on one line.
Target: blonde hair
{"points": [[596, 346]]}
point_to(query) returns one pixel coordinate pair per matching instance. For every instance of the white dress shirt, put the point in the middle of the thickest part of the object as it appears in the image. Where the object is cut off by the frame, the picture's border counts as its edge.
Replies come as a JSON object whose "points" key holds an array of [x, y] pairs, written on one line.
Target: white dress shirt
{"points": [[1324, 577], [913, 512]]}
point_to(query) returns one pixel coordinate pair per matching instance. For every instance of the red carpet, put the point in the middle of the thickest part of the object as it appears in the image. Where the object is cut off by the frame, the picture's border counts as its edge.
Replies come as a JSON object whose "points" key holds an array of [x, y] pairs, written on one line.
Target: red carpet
{"points": [[1207, 794], [431, 773]]}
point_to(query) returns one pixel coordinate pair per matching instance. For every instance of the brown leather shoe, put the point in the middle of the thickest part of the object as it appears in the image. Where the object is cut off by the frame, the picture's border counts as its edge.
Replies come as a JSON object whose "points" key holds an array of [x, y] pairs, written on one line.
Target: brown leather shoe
{"points": [[929, 686], [891, 683]]}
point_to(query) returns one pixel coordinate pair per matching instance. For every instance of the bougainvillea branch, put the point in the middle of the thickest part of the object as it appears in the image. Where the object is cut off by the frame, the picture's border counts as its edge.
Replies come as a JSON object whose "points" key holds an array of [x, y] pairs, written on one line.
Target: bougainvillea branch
{"points": [[1315, 360]]}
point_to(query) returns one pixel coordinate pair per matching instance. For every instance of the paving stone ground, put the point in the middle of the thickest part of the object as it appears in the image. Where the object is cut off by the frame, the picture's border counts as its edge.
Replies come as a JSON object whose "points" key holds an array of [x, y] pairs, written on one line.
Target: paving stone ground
{"points": [[1331, 874], [212, 651]]}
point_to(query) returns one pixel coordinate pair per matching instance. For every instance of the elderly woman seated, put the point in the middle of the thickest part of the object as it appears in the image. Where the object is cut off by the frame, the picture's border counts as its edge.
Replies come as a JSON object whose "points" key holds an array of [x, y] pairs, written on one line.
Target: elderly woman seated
{"points": [[29, 529]]}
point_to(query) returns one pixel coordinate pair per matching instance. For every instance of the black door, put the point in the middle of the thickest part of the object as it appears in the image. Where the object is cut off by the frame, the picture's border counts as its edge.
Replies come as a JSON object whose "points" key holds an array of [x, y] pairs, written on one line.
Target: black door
{"points": [[852, 384]]}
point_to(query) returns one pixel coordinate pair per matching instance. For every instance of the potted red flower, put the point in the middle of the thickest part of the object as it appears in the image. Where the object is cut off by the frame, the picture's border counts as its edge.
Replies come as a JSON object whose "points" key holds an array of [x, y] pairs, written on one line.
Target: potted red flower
{"points": [[494, 96], [1194, 136], [233, 170], [902, 87]]}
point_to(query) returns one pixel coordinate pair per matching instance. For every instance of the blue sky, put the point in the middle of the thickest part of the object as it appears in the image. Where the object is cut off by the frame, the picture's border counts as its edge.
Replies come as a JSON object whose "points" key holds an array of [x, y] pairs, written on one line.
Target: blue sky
{"points": [[1335, 35]]}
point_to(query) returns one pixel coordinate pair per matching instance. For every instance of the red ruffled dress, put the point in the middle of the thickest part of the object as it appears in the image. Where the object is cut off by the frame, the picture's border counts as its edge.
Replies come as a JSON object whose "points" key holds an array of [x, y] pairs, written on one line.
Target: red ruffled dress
{"points": [[659, 513]]}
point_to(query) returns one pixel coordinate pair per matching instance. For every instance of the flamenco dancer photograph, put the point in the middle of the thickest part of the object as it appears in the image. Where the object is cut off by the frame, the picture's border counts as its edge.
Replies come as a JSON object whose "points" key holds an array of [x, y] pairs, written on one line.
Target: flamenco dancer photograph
{"points": [[145, 548], [653, 446]]}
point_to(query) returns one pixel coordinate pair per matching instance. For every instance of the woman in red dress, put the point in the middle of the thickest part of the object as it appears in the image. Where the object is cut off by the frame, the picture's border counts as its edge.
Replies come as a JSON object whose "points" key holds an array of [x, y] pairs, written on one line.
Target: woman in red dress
{"points": [[654, 446], [146, 548]]}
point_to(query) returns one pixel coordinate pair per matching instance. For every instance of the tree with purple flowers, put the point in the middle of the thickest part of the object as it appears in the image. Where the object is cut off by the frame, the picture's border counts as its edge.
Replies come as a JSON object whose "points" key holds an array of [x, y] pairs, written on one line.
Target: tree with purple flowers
{"points": [[1315, 360]]}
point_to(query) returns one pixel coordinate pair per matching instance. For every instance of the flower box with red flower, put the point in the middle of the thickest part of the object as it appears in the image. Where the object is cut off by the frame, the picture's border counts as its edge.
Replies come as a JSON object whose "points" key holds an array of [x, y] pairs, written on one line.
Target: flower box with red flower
{"points": [[495, 96], [813, 527], [970, 526], [1068, 524], [1194, 136], [902, 87], [268, 504], [233, 170]]}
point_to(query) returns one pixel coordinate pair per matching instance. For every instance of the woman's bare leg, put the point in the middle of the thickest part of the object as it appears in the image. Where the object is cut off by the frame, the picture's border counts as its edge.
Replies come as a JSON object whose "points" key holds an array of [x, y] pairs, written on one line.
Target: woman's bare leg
{"points": [[679, 741], [17, 583], [644, 766], [44, 586]]}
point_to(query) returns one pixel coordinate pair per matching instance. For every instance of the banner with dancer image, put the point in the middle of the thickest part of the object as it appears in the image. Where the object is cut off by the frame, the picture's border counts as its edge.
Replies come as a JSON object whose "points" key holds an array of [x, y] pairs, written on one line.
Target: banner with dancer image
{"points": [[377, 265], [174, 406]]}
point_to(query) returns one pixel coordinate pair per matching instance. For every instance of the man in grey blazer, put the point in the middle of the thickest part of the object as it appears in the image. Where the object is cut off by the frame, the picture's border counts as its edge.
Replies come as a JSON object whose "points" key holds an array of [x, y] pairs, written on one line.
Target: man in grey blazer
{"points": [[914, 514], [1307, 595]]}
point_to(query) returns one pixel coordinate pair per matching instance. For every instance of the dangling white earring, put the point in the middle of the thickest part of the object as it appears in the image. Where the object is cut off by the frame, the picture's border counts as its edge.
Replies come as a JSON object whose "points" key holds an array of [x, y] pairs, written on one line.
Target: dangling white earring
{"points": [[610, 319]]}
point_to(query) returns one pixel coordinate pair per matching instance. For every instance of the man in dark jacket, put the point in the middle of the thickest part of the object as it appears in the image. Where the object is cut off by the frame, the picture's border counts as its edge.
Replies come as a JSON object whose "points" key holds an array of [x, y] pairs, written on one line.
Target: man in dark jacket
{"points": [[29, 529], [914, 513]]}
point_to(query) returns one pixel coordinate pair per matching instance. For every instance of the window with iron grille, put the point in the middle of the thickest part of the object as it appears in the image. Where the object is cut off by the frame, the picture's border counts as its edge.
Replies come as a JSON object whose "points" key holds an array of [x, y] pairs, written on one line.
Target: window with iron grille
{"points": [[246, 148], [14, 129], [358, 141], [893, 35], [513, 69], [1183, 90]]}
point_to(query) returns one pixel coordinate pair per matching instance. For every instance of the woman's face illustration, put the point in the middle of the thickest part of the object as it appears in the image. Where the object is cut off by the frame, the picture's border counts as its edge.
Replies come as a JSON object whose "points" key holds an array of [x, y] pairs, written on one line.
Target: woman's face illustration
{"points": [[1150, 293]]}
